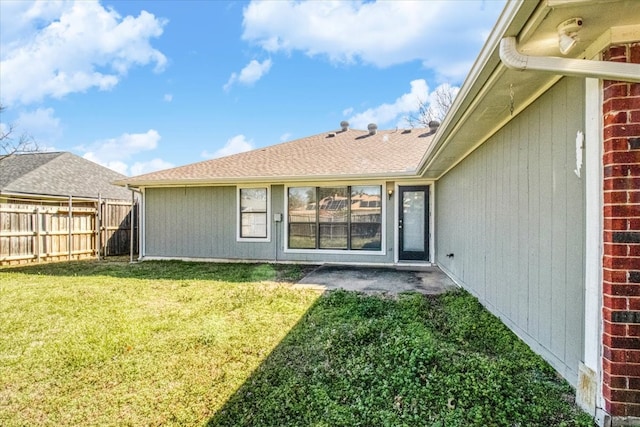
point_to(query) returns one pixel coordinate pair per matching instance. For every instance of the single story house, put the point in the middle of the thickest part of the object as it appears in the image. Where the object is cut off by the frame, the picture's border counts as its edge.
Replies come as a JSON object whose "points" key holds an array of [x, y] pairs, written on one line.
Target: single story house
{"points": [[54, 176], [527, 195]]}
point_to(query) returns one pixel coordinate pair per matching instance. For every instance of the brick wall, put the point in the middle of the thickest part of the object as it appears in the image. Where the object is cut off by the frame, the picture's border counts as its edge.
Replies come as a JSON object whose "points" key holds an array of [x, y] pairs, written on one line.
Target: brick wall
{"points": [[621, 262]]}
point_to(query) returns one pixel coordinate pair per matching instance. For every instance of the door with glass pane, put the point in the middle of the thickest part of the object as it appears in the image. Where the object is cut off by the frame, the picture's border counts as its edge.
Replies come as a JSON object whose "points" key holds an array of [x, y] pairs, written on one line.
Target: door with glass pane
{"points": [[413, 223]]}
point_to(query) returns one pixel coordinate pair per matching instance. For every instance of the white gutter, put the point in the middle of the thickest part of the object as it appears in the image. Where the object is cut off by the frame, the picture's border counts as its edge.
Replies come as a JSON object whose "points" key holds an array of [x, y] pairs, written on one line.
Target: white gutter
{"points": [[618, 71]]}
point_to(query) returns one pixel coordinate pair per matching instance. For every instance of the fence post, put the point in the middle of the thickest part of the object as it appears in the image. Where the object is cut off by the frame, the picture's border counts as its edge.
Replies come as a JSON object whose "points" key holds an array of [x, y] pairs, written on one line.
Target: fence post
{"points": [[97, 225], [70, 239], [106, 221], [36, 226], [133, 201]]}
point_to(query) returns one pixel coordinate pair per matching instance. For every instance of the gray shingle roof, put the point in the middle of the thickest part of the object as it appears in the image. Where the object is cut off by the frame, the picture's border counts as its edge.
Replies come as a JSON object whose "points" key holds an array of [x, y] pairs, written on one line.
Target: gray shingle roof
{"points": [[58, 174], [348, 154]]}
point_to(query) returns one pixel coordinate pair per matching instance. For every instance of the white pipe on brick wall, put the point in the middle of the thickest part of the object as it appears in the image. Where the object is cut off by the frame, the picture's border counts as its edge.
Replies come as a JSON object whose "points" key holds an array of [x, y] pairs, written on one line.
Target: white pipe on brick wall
{"points": [[619, 71]]}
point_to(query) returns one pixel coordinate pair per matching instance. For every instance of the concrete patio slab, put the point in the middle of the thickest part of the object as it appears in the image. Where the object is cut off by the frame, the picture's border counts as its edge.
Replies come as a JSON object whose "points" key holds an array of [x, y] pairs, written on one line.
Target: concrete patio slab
{"points": [[426, 280]]}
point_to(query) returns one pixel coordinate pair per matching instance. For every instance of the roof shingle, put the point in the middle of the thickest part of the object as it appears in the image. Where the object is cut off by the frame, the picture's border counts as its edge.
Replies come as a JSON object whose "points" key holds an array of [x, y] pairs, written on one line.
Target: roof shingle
{"points": [[350, 153], [59, 174]]}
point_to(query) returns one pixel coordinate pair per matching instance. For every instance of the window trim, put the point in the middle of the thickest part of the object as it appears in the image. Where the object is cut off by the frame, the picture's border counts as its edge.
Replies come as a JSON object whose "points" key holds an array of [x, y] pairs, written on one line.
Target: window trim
{"points": [[383, 223], [238, 206]]}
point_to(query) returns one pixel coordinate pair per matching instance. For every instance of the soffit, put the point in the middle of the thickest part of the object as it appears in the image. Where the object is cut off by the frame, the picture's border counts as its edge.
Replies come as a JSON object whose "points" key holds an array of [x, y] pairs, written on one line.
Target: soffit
{"points": [[498, 96]]}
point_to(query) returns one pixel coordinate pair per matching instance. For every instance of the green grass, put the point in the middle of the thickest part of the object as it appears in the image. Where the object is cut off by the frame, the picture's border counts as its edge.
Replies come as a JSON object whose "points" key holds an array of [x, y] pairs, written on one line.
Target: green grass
{"points": [[146, 344], [170, 343]]}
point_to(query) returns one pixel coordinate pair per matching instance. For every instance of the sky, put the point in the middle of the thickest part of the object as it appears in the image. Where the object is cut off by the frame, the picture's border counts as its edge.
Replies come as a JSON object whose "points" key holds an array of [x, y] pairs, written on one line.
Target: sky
{"points": [[139, 86]]}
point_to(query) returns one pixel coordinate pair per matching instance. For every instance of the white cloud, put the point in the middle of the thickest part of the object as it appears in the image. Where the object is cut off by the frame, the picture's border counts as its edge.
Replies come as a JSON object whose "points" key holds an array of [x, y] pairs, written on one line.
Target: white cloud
{"points": [[445, 35], [114, 152], [385, 114], [168, 97], [237, 144], [42, 125], [285, 136], [139, 168], [51, 49], [250, 74], [347, 111]]}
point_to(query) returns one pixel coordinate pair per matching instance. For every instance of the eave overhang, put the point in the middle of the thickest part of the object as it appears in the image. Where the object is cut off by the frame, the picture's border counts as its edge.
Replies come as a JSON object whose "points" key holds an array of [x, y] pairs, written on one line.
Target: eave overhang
{"points": [[493, 94]]}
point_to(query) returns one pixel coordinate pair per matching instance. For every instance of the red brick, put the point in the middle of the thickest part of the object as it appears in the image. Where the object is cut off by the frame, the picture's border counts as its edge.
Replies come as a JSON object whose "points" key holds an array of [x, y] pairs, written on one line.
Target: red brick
{"points": [[615, 303], [629, 129], [634, 331], [634, 303], [628, 263], [620, 104], [616, 250], [615, 197], [615, 224], [627, 343], [606, 392], [614, 52], [634, 89], [620, 409], [616, 158], [616, 144], [622, 211], [633, 383], [618, 90], [616, 355], [614, 330], [634, 53], [621, 169], [633, 410], [633, 224], [622, 183], [633, 196], [632, 356], [614, 381], [622, 262], [626, 396], [626, 290], [634, 250], [624, 368], [614, 276]]}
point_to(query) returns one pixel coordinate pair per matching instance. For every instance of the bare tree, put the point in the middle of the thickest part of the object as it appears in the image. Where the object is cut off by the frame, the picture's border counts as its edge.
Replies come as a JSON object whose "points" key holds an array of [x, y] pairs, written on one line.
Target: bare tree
{"points": [[436, 109], [11, 144]]}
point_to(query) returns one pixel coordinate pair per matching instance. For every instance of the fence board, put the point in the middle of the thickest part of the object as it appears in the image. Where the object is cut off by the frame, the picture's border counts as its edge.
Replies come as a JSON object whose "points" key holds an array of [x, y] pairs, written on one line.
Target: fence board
{"points": [[34, 233]]}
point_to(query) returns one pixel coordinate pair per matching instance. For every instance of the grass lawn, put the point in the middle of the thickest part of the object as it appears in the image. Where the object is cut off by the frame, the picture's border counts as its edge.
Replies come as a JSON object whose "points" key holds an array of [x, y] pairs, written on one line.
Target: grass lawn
{"points": [[171, 343]]}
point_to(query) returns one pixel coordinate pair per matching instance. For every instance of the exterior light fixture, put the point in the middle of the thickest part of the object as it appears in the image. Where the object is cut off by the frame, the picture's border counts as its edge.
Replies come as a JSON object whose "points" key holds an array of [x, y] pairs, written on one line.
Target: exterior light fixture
{"points": [[390, 193], [567, 34]]}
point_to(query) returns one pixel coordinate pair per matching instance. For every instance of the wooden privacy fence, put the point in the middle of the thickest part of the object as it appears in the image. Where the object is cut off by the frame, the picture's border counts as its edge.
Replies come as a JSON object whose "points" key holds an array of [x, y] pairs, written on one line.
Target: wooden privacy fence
{"points": [[36, 233]]}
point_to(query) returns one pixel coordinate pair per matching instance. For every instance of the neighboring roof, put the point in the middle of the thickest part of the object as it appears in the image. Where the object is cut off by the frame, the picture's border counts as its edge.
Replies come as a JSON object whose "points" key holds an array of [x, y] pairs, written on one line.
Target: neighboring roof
{"points": [[353, 154], [58, 174], [493, 94]]}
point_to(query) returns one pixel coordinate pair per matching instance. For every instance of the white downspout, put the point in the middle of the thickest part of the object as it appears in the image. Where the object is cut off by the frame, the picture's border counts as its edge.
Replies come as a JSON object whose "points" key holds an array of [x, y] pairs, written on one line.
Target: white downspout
{"points": [[619, 71]]}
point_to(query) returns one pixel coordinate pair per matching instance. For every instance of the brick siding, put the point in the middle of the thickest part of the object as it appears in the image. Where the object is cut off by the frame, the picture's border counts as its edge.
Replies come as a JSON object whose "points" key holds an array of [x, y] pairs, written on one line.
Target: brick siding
{"points": [[621, 262]]}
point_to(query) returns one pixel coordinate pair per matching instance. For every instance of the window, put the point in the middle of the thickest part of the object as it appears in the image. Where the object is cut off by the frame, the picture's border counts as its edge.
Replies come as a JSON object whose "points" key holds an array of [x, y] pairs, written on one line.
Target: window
{"points": [[253, 213], [336, 218]]}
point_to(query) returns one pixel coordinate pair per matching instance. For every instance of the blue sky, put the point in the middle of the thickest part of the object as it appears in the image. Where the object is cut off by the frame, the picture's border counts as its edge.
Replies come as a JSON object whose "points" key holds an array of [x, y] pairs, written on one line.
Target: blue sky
{"points": [[145, 85]]}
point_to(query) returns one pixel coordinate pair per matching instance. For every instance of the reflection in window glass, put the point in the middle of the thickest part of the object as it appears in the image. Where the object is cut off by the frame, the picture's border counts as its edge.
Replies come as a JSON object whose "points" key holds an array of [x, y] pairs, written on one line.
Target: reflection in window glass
{"points": [[253, 212], [347, 218], [332, 214], [302, 217], [366, 218]]}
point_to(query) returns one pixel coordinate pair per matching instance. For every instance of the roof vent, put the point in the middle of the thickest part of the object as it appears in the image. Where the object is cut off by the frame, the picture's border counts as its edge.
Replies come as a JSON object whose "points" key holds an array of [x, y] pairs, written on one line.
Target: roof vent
{"points": [[373, 128], [331, 135], [344, 125], [433, 125]]}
